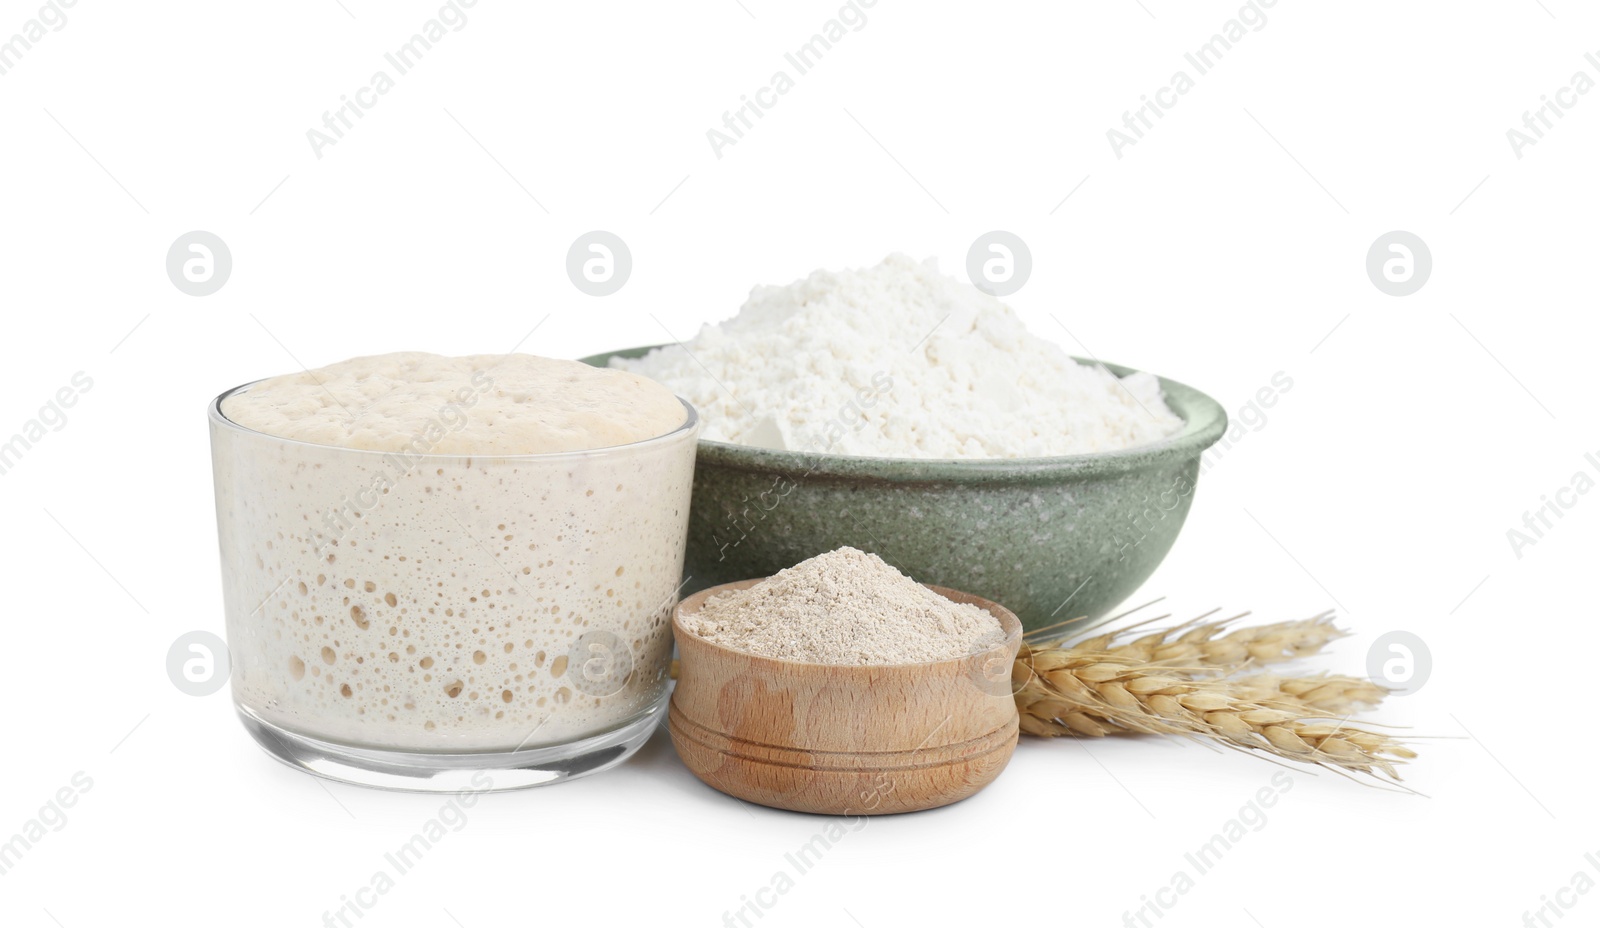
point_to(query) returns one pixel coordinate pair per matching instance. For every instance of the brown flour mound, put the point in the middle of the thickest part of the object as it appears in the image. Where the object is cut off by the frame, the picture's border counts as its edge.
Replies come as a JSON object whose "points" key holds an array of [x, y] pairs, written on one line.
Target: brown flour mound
{"points": [[845, 607]]}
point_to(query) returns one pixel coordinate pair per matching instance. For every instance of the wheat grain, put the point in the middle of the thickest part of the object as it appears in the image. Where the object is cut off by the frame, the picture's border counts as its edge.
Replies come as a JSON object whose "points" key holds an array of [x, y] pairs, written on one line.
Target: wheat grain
{"points": [[1336, 695]]}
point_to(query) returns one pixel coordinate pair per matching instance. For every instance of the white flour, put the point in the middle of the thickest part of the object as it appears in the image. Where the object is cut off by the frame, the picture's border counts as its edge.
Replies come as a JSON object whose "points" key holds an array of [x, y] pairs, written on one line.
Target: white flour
{"points": [[899, 360]]}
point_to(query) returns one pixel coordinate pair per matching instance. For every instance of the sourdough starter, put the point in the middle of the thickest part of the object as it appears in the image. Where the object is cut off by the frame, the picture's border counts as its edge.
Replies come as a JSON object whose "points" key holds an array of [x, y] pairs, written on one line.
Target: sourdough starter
{"points": [[451, 554]]}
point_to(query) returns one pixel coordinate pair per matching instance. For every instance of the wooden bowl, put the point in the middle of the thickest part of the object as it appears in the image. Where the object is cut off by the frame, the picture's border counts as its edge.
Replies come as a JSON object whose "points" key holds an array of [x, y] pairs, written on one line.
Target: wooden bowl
{"points": [[843, 739]]}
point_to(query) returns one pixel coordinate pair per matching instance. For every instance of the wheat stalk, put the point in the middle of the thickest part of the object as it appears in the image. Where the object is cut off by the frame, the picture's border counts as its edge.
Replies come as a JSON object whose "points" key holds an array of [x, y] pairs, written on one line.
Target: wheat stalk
{"points": [[1177, 682]]}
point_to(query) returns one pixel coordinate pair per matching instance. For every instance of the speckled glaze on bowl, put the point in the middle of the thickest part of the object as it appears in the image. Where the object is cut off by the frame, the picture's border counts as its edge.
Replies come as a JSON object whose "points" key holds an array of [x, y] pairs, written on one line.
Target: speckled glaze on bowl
{"points": [[1052, 539]]}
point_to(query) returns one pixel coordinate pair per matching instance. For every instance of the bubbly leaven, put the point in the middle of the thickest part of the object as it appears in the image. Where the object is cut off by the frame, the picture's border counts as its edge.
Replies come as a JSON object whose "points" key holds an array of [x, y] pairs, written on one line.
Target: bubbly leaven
{"points": [[510, 404], [404, 596]]}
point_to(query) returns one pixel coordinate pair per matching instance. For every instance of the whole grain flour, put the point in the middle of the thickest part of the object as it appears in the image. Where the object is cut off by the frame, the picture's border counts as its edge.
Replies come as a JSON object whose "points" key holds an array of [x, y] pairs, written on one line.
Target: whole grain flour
{"points": [[844, 607], [899, 360]]}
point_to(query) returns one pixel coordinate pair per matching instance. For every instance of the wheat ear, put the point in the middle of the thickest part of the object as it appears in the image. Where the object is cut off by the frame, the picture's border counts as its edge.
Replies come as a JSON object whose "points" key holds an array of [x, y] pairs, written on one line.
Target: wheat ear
{"points": [[1207, 647], [1096, 693]]}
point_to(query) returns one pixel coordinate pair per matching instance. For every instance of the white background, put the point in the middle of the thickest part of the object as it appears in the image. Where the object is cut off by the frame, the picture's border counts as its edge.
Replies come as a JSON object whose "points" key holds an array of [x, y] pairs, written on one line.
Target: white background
{"points": [[1223, 248]]}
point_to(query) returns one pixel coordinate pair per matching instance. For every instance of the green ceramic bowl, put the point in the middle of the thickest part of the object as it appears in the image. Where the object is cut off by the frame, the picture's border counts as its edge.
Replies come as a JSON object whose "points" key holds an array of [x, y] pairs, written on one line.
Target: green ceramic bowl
{"points": [[1051, 539]]}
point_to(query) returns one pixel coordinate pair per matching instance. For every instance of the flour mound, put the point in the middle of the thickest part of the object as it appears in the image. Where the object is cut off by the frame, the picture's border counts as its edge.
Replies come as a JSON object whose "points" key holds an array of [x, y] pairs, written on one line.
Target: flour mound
{"points": [[898, 360], [845, 607]]}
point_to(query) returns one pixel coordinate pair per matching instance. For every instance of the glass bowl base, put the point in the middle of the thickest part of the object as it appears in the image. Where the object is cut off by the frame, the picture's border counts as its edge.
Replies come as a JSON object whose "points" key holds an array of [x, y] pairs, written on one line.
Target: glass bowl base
{"points": [[482, 771]]}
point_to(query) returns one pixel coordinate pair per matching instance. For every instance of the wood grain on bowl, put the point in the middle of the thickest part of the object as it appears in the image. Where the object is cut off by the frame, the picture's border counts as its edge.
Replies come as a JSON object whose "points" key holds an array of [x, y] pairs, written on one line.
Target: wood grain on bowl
{"points": [[844, 739]]}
